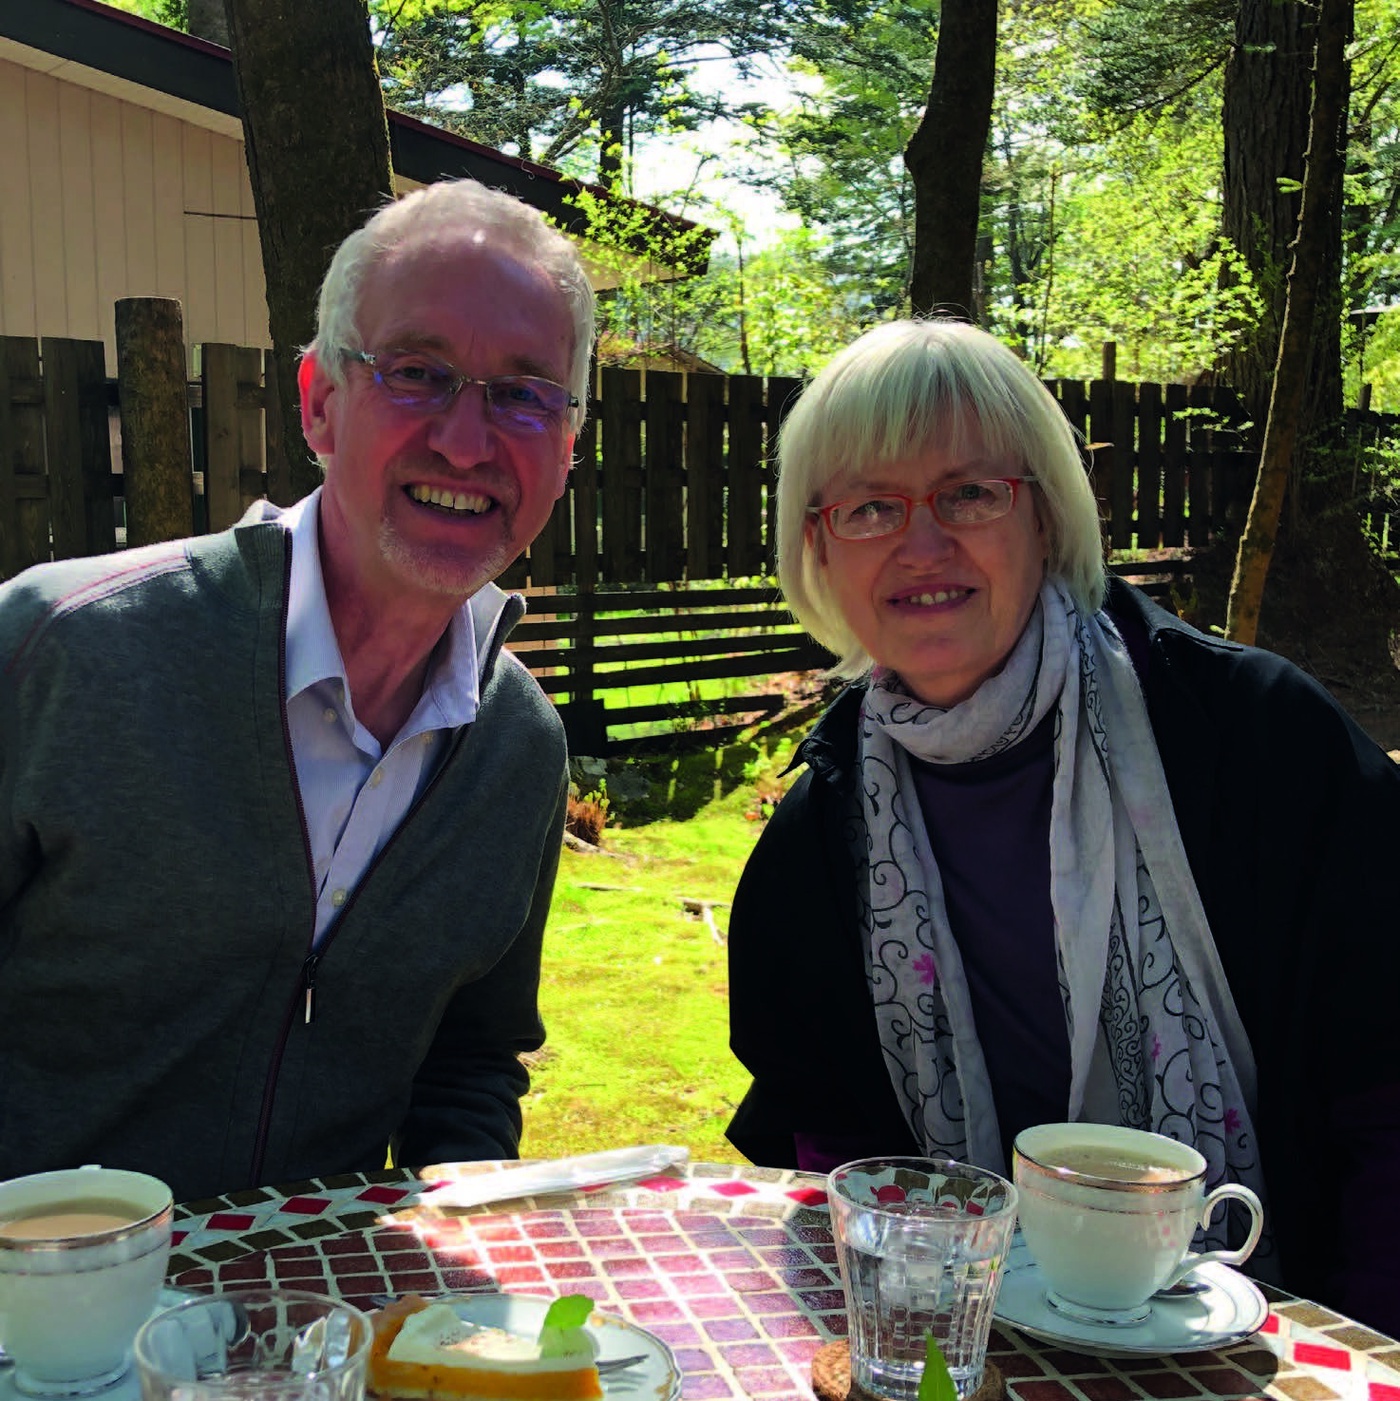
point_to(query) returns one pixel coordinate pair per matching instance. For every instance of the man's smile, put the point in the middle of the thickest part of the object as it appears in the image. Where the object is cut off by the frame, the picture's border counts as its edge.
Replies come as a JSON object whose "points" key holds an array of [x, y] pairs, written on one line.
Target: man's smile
{"points": [[457, 502]]}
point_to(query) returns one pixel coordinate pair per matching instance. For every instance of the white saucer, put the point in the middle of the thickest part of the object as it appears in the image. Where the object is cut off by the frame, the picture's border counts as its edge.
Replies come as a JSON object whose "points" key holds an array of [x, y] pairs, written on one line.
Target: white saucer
{"points": [[656, 1377], [1227, 1311], [125, 1388]]}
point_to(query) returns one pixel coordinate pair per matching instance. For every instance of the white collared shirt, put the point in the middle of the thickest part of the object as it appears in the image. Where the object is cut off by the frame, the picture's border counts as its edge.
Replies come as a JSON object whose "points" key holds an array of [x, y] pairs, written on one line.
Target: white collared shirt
{"points": [[354, 792]]}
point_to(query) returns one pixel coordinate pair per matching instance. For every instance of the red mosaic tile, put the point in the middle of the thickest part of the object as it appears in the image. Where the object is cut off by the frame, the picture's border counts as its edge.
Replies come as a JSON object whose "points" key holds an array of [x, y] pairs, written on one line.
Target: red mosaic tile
{"points": [[253, 1269], [498, 1232], [1165, 1385], [662, 1184], [764, 1381], [694, 1360], [819, 1300], [615, 1249], [510, 1254], [413, 1282], [825, 1253], [802, 1351], [469, 1281], [731, 1330], [805, 1279], [569, 1269], [1044, 1391], [353, 1264], [718, 1307], [621, 1268], [1270, 1324], [809, 1196], [792, 1326], [678, 1334], [1225, 1381], [343, 1245], [1106, 1389], [639, 1288], [769, 1303], [519, 1274], [754, 1281], [306, 1206], [678, 1264], [786, 1255], [736, 1259], [1384, 1391], [837, 1324], [643, 1220], [384, 1196], [230, 1221], [195, 1279], [692, 1286], [734, 1189], [294, 1252], [546, 1230], [658, 1242], [293, 1268], [1316, 1355], [349, 1285], [765, 1235], [177, 1236], [561, 1250], [415, 1259], [656, 1311], [711, 1387]]}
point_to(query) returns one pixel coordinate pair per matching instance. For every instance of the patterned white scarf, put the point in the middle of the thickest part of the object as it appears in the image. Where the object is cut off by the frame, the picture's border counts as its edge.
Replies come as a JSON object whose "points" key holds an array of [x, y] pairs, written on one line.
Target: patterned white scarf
{"points": [[1155, 1039]]}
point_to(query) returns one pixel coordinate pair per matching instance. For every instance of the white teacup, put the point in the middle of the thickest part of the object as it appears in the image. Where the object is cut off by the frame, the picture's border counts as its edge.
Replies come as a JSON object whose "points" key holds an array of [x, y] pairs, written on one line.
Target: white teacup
{"points": [[1109, 1214], [83, 1253]]}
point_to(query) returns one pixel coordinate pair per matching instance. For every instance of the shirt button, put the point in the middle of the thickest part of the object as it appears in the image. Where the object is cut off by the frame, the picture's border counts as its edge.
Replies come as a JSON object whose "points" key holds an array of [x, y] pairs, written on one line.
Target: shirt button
{"points": [[376, 778], [337, 898], [428, 738], [329, 715]]}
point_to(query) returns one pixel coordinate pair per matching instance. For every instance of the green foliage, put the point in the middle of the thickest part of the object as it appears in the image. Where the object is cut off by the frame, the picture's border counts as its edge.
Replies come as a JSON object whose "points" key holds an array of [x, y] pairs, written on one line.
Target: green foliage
{"points": [[936, 1383]]}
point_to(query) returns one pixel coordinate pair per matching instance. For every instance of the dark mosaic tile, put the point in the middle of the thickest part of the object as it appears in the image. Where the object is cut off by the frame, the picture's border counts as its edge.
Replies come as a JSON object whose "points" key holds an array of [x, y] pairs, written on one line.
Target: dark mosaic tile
{"points": [[1164, 1385], [820, 1300], [181, 1262], [785, 1255], [353, 1264], [251, 1196], [266, 1240], [222, 1250], [193, 1277], [1044, 1391], [314, 1230], [412, 1282], [806, 1279], [357, 1220], [1106, 1389], [298, 1268], [765, 1235], [1258, 1361], [470, 1281], [252, 1270], [375, 1283], [205, 1206], [1225, 1381]]}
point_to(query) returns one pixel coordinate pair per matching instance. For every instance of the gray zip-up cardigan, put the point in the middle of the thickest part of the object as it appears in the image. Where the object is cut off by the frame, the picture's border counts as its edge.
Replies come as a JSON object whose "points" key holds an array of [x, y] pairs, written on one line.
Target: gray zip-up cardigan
{"points": [[160, 1007]]}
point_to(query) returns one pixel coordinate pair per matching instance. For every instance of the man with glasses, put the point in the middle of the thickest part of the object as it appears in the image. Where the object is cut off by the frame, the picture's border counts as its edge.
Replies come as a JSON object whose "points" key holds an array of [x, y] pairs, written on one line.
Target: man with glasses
{"points": [[279, 819]]}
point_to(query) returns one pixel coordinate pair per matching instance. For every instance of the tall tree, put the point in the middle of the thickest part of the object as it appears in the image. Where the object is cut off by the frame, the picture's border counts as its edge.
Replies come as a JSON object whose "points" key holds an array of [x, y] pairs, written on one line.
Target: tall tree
{"points": [[317, 145], [944, 157], [1306, 286]]}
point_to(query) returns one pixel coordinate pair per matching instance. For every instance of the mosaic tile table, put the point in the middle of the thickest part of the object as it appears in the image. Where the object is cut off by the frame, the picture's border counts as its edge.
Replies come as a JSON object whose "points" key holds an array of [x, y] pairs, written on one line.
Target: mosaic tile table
{"points": [[732, 1266]]}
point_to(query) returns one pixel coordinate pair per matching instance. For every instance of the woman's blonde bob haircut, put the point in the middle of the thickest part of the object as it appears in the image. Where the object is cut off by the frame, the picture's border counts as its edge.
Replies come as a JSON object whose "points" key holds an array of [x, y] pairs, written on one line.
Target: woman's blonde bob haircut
{"points": [[904, 388]]}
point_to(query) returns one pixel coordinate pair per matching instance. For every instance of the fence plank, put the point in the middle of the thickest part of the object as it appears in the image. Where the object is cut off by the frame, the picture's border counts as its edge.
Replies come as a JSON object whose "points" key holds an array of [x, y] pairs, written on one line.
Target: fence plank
{"points": [[745, 553], [279, 471], [584, 484], [78, 447], [1122, 409], [620, 474], [24, 488], [1149, 465], [1174, 468], [704, 476], [664, 475], [783, 393], [233, 400]]}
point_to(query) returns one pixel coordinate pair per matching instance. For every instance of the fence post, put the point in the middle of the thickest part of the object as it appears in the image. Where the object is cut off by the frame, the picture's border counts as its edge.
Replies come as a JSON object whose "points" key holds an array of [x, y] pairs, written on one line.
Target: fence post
{"points": [[157, 478]]}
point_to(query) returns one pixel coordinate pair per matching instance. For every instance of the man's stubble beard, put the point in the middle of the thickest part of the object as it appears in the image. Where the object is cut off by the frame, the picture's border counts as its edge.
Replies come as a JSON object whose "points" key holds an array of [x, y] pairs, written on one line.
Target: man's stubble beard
{"points": [[444, 571]]}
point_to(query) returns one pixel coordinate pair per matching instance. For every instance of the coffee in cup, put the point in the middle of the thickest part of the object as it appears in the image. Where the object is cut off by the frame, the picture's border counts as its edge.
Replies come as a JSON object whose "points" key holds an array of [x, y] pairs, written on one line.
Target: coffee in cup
{"points": [[83, 1253], [1109, 1213]]}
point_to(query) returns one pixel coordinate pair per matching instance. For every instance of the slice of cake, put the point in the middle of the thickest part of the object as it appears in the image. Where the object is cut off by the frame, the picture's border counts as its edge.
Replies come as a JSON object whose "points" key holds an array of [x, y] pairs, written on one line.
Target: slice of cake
{"points": [[426, 1350]]}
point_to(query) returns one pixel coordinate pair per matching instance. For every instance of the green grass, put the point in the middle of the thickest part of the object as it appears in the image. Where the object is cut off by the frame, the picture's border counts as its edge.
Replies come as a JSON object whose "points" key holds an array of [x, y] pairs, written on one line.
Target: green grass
{"points": [[635, 991]]}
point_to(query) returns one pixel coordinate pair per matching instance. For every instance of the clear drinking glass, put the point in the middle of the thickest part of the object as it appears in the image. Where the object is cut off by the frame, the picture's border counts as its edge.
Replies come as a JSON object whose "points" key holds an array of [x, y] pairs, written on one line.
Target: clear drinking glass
{"points": [[921, 1244], [268, 1344]]}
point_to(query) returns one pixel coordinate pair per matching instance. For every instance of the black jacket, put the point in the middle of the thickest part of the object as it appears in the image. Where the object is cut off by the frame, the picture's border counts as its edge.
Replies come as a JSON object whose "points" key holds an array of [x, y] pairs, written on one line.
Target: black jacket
{"points": [[1290, 817]]}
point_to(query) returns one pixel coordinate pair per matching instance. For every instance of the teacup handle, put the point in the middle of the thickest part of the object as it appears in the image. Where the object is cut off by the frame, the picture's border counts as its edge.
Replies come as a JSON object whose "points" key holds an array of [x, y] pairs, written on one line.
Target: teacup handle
{"points": [[1225, 1257]]}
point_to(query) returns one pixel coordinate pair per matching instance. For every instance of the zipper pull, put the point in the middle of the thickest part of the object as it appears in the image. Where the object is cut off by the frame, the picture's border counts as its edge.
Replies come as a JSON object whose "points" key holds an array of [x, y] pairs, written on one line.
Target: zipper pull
{"points": [[308, 978]]}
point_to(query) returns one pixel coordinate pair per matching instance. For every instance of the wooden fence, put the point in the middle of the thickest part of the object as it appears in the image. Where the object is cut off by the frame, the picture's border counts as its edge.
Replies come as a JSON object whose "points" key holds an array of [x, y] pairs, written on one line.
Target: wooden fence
{"points": [[672, 490]]}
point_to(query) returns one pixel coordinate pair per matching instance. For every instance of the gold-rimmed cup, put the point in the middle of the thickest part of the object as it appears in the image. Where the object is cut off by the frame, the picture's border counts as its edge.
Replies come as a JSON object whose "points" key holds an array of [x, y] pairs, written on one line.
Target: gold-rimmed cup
{"points": [[83, 1254], [1109, 1213]]}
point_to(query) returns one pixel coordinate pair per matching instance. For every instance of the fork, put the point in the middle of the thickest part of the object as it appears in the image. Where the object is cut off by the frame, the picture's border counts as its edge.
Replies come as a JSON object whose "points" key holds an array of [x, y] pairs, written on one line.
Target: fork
{"points": [[605, 1365]]}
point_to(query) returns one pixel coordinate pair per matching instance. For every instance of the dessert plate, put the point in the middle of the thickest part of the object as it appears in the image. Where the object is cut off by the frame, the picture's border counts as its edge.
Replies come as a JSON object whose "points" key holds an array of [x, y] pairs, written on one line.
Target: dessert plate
{"points": [[1226, 1311], [655, 1378], [127, 1387]]}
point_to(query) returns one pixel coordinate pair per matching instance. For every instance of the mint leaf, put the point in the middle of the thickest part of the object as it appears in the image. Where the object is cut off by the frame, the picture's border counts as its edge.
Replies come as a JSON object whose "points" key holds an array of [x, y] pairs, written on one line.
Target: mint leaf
{"points": [[936, 1384], [561, 1334]]}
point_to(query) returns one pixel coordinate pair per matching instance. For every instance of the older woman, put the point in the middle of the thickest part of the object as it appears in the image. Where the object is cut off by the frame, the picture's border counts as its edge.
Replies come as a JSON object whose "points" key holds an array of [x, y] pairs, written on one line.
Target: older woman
{"points": [[1055, 854]]}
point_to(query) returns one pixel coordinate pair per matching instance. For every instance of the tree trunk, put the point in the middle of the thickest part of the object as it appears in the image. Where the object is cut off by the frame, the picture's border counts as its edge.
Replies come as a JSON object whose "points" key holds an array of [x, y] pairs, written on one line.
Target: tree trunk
{"points": [[1267, 98], [944, 157], [317, 146], [1307, 306]]}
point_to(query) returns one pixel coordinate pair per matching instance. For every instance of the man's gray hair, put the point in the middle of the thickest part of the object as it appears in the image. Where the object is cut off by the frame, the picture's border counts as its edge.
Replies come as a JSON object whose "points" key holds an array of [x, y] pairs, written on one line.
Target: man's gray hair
{"points": [[511, 225], [900, 389]]}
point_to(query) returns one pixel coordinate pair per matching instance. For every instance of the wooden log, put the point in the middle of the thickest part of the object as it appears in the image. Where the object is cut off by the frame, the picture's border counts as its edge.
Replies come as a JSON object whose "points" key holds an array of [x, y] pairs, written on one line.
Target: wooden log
{"points": [[157, 474], [234, 433]]}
